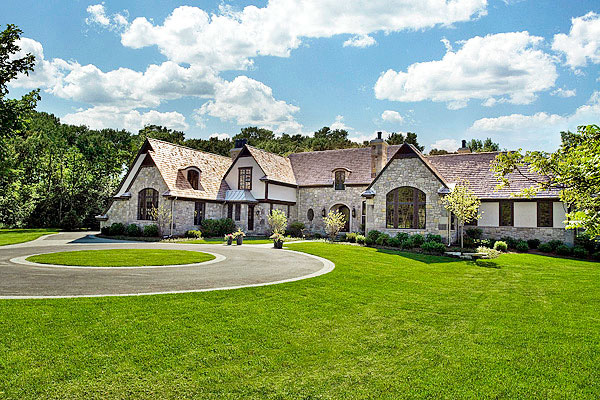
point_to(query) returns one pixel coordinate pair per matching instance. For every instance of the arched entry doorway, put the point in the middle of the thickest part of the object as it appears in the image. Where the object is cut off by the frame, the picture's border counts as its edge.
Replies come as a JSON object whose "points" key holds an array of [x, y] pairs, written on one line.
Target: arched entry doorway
{"points": [[346, 211]]}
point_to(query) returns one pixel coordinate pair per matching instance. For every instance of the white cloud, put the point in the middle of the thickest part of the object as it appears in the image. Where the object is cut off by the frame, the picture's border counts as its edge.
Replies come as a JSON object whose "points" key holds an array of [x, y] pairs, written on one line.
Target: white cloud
{"points": [[449, 145], [339, 124], [582, 44], [560, 92], [97, 16], [221, 136], [504, 64], [46, 73], [229, 39], [392, 116], [361, 41], [132, 120], [447, 44], [526, 130], [249, 102]]}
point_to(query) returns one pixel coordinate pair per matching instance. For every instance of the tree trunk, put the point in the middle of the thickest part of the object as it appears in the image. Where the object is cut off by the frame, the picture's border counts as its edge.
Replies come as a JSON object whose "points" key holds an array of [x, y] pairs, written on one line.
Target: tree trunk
{"points": [[462, 234]]}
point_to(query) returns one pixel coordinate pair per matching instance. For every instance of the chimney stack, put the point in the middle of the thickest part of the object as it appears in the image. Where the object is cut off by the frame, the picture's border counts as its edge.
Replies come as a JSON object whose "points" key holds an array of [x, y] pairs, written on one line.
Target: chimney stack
{"points": [[237, 149], [378, 154], [464, 148]]}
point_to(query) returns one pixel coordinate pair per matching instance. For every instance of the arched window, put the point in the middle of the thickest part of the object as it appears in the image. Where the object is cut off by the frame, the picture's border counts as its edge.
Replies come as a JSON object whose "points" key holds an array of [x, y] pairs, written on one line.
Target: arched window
{"points": [[340, 180], [405, 208], [147, 200], [310, 214], [193, 178]]}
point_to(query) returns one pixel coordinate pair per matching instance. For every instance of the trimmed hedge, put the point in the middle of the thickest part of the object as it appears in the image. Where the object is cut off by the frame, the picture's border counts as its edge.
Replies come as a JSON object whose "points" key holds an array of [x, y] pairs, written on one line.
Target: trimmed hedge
{"points": [[433, 247], [522, 246], [217, 227], [133, 230], [151, 230], [117, 229], [500, 245]]}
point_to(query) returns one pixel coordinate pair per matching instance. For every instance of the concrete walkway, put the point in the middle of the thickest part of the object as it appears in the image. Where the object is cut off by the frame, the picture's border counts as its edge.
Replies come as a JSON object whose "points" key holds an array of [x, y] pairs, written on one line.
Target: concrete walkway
{"points": [[235, 267]]}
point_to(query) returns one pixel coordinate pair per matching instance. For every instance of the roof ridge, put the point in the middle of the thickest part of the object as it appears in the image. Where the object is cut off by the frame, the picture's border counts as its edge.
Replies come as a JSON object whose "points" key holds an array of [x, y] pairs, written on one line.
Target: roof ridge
{"points": [[187, 147], [331, 150], [465, 154], [268, 152]]}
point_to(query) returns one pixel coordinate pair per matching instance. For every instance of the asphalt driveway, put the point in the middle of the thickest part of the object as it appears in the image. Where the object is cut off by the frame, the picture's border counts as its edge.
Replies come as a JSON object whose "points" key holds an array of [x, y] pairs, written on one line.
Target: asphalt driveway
{"points": [[247, 265]]}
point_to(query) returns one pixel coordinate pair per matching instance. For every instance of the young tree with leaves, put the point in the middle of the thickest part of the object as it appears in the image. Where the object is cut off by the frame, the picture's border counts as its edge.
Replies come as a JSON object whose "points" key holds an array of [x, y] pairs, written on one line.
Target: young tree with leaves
{"points": [[334, 222], [574, 169], [463, 203]]}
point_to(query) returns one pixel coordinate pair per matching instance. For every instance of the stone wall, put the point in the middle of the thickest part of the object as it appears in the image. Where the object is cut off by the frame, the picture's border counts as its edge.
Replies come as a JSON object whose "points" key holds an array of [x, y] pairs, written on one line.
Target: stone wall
{"points": [[543, 234], [319, 198]]}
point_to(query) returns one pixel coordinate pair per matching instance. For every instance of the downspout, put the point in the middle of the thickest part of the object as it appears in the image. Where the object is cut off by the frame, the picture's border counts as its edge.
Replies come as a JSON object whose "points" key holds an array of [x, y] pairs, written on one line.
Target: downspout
{"points": [[172, 214], [449, 220]]}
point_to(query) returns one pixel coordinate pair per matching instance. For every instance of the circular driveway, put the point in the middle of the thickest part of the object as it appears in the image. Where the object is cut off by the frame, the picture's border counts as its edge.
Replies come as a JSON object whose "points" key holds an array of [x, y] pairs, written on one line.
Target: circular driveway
{"points": [[235, 267]]}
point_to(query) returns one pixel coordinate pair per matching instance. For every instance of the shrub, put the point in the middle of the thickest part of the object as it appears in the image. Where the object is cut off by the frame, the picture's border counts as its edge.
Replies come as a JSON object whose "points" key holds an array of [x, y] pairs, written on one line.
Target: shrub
{"points": [[491, 253], [194, 234], [383, 239], [225, 226], [117, 229], [564, 250], [433, 247], [369, 241], [584, 240], [500, 246], [402, 236], [417, 239], [351, 237], [474, 233], [151, 230], [596, 256], [522, 246], [360, 239], [217, 227], [373, 235], [555, 244], [469, 243], [317, 235], [580, 252], [105, 230], [295, 229], [133, 230], [510, 241], [434, 238], [545, 248], [394, 242], [407, 244], [277, 221], [489, 243], [533, 243]]}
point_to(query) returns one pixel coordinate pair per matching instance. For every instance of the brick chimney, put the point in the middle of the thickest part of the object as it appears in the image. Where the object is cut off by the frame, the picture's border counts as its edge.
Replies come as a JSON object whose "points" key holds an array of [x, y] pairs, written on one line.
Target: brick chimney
{"points": [[378, 154], [464, 148], [237, 148]]}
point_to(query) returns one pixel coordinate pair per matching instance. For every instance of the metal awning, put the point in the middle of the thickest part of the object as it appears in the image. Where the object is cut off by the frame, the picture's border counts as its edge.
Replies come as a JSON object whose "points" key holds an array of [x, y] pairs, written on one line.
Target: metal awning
{"points": [[239, 196]]}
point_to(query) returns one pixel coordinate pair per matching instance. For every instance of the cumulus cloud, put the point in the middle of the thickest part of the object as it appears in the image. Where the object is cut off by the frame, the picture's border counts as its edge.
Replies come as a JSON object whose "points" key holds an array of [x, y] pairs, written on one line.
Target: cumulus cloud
{"points": [[46, 73], [221, 136], [560, 92], [504, 66], [113, 117], [339, 124], [361, 41], [246, 101], [582, 44], [97, 16], [526, 130], [449, 145], [392, 116], [229, 39]]}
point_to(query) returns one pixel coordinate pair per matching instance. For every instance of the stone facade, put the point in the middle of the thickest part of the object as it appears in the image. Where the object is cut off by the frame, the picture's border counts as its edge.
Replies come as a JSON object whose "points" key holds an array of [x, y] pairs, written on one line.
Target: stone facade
{"points": [[543, 234], [408, 172]]}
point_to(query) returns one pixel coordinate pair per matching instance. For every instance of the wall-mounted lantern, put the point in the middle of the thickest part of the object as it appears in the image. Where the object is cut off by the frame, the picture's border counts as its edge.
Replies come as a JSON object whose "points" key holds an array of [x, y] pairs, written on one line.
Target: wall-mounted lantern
{"points": [[323, 213], [353, 212]]}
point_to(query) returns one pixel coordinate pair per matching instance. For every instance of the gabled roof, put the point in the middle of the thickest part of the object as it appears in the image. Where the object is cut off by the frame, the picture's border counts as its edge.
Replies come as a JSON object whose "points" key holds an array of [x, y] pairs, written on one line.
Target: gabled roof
{"points": [[275, 167], [171, 160], [476, 169]]}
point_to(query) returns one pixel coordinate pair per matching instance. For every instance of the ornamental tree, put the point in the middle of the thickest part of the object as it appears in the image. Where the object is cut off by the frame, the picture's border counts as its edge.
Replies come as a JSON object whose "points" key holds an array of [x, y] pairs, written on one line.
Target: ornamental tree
{"points": [[463, 203], [334, 222], [573, 169], [277, 221]]}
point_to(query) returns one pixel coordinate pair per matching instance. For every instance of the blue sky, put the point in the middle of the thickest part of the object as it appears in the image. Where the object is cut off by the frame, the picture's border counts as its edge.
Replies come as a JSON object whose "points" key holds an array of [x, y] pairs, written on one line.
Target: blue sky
{"points": [[516, 71]]}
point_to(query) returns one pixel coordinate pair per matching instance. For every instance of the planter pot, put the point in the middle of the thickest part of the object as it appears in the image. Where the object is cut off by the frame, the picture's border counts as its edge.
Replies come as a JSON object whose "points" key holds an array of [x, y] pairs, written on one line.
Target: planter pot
{"points": [[229, 241], [278, 244], [239, 240]]}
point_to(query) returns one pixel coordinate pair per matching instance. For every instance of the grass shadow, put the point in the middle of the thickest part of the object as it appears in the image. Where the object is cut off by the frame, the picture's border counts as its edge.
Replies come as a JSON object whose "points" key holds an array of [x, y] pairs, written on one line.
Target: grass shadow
{"points": [[485, 264], [421, 257]]}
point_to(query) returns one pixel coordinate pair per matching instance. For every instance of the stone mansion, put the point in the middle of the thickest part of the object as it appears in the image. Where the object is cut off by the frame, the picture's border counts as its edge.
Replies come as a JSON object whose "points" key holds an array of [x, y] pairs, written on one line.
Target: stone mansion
{"points": [[391, 188]]}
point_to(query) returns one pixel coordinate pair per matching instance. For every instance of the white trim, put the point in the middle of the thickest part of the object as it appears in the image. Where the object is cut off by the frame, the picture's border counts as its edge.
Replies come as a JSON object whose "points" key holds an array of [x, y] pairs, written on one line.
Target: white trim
{"points": [[131, 174]]}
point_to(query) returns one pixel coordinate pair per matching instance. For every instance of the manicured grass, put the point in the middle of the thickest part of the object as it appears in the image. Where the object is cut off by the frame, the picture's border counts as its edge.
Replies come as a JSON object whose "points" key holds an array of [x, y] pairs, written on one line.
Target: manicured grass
{"points": [[248, 240], [122, 257], [381, 325], [14, 236]]}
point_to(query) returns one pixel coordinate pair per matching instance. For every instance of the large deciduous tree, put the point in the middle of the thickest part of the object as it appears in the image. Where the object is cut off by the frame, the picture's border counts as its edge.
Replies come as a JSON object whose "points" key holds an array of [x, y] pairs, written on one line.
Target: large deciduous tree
{"points": [[574, 169]]}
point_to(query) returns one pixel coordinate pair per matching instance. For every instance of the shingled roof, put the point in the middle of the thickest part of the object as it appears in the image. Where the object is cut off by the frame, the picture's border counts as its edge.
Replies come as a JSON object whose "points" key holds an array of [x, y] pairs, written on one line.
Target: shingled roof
{"points": [[172, 159], [275, 167], [476, 169]]}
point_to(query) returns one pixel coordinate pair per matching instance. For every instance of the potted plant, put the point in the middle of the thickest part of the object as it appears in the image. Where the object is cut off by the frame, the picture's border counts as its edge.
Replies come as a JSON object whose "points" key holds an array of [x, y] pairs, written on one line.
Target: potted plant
{"points": [[229, 239], [277, 240], [239, 237]]}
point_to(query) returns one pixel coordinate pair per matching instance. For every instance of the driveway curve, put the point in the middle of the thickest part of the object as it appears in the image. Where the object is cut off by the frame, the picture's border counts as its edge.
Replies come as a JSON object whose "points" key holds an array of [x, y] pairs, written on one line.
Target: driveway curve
{"points": [[237, 267]]}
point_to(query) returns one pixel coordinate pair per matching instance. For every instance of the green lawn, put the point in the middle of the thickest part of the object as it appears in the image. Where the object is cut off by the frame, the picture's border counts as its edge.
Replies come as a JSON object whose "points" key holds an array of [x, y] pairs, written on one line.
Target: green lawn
{"points": [[14, 236], [381, 325], [249, 240], [122, 257]]}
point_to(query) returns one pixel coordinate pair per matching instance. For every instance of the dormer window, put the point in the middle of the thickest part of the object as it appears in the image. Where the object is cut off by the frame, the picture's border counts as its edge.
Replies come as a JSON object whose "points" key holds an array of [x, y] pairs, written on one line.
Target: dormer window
{"points": [[193, 178], [340, 179]]}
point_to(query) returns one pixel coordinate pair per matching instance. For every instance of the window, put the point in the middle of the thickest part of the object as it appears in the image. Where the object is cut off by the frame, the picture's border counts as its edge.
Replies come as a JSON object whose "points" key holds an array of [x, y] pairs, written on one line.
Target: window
{"points": [[506, 213], [544, 214], [310, 215], [230, 211], [405, 208], [245, 178], [340, 179], [199, 208], [193, 178], [238, 212], [147, 200], [363, 215]]}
